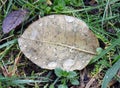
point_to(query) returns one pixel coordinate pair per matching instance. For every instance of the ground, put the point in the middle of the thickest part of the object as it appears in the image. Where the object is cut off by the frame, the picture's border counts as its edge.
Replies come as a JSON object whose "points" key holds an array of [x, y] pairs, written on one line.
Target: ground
{"points": [[102, 18]]}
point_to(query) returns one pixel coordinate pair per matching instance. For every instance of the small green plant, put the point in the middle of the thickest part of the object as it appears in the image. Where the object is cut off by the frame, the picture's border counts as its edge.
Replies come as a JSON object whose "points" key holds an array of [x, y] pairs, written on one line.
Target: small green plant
{"points": [[59, 5], [65, 77]]}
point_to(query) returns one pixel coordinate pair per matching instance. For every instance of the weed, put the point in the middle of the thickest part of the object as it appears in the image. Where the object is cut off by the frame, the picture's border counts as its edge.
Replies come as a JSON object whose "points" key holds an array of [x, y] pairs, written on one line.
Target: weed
{"points": [[64, 77]]}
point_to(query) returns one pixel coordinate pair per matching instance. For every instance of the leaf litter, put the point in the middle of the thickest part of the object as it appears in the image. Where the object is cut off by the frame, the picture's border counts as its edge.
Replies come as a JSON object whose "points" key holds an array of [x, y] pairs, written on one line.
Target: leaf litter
{"points": [[13, 19]]}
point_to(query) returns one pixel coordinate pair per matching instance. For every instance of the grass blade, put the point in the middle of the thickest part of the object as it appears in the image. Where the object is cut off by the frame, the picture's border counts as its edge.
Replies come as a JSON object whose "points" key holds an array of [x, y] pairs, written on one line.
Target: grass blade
{"points": [[8, 43], [116, 42], [26, 81], [110, 74]]}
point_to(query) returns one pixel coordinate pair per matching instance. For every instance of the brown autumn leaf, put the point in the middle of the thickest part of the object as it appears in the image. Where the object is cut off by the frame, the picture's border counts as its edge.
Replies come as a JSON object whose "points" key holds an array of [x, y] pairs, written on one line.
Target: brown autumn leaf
{"points": [[13, 19], [59, 41]]}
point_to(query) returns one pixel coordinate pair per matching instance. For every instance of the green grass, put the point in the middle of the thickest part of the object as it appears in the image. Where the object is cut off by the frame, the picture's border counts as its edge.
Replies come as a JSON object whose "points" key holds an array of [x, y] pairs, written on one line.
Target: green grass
{"points": [[104, 24]]}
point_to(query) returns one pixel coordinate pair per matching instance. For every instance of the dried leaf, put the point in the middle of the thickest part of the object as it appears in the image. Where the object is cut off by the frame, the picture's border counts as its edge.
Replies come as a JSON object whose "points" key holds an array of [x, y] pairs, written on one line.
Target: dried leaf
{"points": [[14, 19], [59, 41], [49, 2]]}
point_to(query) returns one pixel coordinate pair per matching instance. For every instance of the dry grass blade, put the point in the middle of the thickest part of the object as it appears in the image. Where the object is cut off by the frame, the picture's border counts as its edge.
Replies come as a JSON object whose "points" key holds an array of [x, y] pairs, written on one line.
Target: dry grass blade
{"points": [[90, 83], [3, 3], [8, 73], [6, 38], [17, 59], [4, 71]]}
